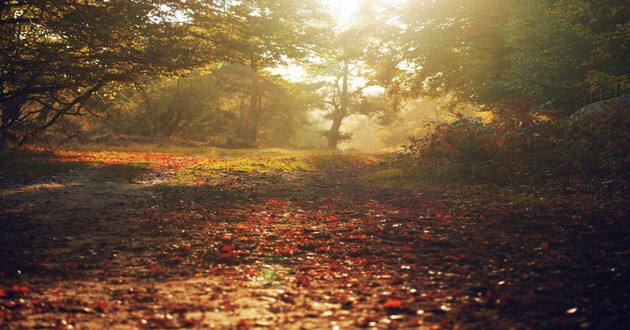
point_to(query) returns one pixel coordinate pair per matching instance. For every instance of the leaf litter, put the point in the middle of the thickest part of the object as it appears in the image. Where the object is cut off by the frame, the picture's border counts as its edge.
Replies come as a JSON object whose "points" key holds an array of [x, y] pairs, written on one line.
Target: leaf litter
{"points": [[300, 249]]}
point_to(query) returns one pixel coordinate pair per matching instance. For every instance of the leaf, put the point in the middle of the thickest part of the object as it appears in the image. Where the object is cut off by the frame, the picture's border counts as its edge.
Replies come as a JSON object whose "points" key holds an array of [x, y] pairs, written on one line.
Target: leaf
{"points": [[227, 248], [20, 289], [426, 236], [179, 308], [393, 303], [102, 306], [274, 202], [302, 281], [244, 324]]}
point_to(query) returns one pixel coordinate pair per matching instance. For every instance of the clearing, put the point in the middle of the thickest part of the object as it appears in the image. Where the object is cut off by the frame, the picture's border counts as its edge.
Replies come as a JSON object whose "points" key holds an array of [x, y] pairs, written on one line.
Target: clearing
{"points": [[302, 242]]}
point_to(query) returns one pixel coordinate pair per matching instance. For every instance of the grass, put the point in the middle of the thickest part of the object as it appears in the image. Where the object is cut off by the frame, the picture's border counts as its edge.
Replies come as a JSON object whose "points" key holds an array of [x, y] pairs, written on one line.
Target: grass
{"points": [[192, 164], [187, 151], [206, 168]]}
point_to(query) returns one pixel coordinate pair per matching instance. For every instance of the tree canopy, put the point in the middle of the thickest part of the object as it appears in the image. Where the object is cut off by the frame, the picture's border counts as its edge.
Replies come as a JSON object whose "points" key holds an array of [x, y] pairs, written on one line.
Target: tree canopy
{"points": [[486, 51], [500, 55], [56, 55]]}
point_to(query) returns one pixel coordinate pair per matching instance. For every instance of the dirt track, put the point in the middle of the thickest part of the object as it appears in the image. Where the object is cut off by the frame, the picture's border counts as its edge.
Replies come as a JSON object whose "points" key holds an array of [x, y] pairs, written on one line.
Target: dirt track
{"points": [[301, 250]]}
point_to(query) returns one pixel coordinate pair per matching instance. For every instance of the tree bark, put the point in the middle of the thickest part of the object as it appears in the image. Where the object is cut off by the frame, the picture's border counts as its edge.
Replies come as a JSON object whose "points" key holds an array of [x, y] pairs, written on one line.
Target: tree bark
{"points": [[253, 113], [334, 135]]}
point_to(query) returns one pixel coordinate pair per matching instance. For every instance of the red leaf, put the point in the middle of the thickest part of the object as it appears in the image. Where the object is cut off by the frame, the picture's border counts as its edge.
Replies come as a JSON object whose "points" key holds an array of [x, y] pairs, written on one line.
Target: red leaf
{"points": [[426, 236], [393, 303], [179, 308], [20, 289], [244, 324], [2, 294], [274, 202], [332, 218], [227, 248], [102, 306], [301, 281]]}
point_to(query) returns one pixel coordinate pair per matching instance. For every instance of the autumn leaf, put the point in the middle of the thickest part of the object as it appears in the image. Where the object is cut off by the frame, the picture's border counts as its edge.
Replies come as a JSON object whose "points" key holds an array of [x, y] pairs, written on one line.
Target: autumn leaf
{"points": [[302, 281], [20, 289], [393, 303], [244, 324], [227, 248], [179, 308], [426, 236], [102, 306]]}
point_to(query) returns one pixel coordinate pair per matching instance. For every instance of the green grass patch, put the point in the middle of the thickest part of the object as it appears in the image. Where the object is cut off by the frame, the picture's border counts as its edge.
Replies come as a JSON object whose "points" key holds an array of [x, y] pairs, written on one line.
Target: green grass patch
{"points": [[208, 167], [335, 160], [186, 150], [33, 165], [120, 172]]}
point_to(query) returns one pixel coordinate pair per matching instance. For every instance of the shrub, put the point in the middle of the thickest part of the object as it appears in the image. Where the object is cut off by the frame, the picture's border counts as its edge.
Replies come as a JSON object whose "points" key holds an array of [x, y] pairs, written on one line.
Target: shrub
{"points": [[507, 151]]}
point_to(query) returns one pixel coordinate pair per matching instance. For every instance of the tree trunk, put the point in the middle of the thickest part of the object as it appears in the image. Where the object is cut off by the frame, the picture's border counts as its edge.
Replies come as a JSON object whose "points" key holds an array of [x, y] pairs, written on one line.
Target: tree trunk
{"points": [[334, 135], [10, 116], [253, 114]]}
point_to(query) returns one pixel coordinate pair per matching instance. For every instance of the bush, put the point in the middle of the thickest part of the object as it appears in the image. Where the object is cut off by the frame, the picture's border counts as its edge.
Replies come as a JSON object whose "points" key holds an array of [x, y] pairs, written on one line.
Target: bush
{"points": [[508, 152]]}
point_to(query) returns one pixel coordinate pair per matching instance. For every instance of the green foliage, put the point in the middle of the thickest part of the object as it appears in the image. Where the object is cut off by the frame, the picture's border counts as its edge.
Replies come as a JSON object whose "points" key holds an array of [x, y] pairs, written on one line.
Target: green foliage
{"points": [[487, 51], [57, 55], [209, 109]]}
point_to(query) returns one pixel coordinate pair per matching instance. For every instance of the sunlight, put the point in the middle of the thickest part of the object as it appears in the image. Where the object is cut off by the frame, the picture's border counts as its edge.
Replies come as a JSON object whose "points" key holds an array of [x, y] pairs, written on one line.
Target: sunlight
{"points": [[291, 72], [345, 11]]}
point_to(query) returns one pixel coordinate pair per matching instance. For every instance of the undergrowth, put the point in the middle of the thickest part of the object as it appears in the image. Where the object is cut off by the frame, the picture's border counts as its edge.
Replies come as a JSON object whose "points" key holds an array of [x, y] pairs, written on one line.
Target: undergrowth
{"points": [[508, 152]]}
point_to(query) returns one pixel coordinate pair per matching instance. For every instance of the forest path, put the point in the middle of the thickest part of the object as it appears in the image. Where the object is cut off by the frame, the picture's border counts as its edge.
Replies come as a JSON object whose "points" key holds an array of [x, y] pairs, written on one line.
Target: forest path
{"points": [[303, 250]]}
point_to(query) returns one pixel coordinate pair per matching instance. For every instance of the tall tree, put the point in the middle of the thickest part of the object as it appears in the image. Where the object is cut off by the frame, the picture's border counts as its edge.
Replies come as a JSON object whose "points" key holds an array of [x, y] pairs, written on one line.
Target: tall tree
{"points": [[55, 55], [447, 46], [486, 51], [348, 77], [268, 33]]}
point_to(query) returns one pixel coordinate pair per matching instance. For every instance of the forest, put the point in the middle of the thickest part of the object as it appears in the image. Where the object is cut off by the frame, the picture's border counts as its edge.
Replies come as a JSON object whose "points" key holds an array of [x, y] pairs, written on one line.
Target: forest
{"points": [[313, 164]]}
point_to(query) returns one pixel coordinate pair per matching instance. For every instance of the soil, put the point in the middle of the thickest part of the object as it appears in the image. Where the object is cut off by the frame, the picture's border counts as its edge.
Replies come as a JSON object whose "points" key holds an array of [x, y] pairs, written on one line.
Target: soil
{"points": [[305, 250]]}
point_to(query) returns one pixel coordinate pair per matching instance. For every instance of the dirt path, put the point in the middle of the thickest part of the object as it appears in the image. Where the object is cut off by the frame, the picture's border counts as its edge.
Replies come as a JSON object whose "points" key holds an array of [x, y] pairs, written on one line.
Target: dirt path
{"points": [[302, 250]]}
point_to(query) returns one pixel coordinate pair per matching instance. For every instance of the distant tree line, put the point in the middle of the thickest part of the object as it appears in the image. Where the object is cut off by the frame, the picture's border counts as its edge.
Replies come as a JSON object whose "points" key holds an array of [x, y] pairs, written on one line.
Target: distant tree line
{"points": [[200, 69]]}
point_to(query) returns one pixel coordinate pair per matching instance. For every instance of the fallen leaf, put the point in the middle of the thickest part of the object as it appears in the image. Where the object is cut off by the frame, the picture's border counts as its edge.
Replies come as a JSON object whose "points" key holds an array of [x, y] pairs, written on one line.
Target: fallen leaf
{"points": [[393, 303]]}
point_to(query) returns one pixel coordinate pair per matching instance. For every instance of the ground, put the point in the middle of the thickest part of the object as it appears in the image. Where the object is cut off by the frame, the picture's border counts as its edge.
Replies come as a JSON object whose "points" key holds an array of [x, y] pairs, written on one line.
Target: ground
{"points": [[198, 243]]}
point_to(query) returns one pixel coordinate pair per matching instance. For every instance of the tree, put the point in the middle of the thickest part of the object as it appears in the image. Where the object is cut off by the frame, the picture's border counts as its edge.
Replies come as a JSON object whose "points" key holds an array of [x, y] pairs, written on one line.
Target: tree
{"points": [[547, 59], [266, 34], [347, 79], [432, 48], [182, 107], [56, 55], [281, 106], [540, 52]]}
